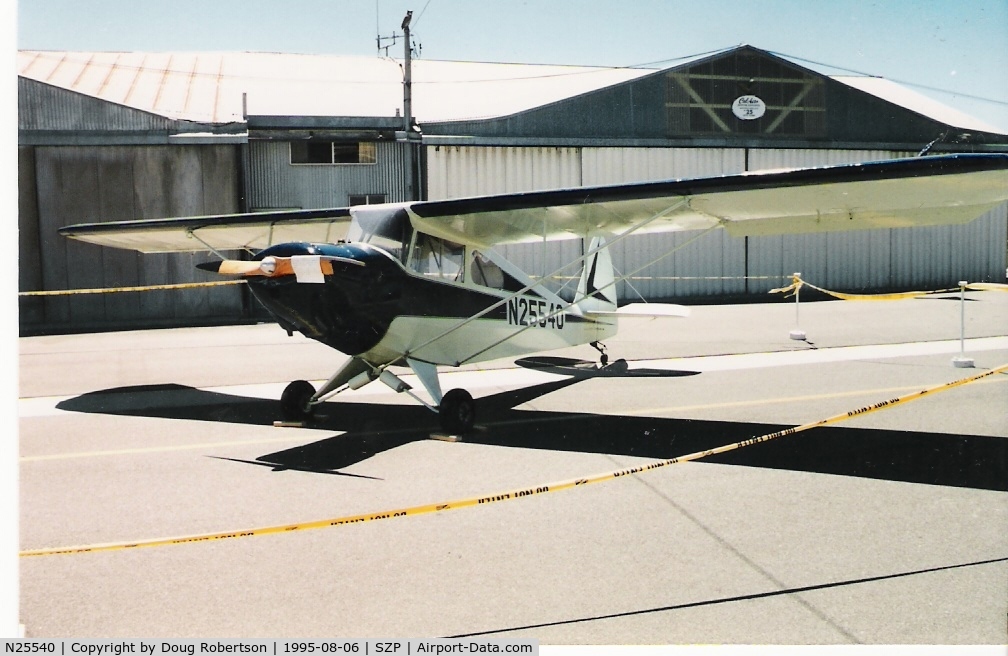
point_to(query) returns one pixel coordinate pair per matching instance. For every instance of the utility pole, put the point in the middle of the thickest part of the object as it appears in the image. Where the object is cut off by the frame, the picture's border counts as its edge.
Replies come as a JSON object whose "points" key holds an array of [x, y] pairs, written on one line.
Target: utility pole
{"points": [[408, 80], [408, 110]]}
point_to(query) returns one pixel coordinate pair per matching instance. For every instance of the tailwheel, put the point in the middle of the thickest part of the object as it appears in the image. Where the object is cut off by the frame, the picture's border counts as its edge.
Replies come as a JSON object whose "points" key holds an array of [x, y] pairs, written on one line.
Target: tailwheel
{"points": [[457, 412], [601, 348], [616, 368], [295, 398]]}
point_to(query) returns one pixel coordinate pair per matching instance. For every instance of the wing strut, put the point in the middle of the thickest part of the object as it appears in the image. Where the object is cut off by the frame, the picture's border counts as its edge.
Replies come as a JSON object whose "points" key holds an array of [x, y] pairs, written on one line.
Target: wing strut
{"points": [[617, 280], [671, 208], [192, 233]]}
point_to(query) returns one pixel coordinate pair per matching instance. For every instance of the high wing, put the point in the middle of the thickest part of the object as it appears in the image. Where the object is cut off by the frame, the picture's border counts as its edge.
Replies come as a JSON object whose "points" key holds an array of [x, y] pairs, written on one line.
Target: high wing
{"points": [[220, 232], [888, 194], [920, 191]]}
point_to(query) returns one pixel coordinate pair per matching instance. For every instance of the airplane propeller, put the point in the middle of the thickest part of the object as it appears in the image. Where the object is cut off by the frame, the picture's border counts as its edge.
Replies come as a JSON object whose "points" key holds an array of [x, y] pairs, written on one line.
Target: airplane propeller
{"points": [[274, 266]]}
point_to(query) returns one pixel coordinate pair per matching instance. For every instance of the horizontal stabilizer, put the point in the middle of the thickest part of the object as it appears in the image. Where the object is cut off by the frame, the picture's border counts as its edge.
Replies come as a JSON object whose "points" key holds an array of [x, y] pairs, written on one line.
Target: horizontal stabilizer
{"points": [[651, 310]]}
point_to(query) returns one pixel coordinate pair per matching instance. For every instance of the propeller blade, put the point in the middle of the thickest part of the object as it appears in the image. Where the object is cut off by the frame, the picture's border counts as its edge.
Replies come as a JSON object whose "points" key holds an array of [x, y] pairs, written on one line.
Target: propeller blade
{"points": [[238, 268], [212, 266]]}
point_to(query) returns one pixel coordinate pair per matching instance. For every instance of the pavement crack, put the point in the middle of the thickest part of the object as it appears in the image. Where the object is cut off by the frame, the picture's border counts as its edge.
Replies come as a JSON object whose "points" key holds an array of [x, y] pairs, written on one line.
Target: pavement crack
{"points": [[752, 564]]}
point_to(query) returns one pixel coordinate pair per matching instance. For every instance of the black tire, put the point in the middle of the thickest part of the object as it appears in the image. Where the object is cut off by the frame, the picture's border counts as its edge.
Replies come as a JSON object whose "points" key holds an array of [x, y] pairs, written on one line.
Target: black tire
{"points": [[457, 412], [294, 400], [617, 368]]}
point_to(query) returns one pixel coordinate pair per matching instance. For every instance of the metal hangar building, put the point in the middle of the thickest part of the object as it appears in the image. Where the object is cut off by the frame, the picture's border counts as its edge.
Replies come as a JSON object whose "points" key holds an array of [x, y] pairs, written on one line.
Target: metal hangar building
{"points": [[116, 136]]}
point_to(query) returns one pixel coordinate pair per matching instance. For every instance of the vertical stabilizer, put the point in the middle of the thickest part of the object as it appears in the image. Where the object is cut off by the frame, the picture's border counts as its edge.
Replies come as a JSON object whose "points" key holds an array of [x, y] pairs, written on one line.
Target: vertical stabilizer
{"points": [[596, 291]]}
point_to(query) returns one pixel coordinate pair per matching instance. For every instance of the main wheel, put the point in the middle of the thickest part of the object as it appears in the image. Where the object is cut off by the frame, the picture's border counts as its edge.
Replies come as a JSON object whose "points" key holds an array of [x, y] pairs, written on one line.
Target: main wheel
{"points": [[295, 398], [457, 412]]}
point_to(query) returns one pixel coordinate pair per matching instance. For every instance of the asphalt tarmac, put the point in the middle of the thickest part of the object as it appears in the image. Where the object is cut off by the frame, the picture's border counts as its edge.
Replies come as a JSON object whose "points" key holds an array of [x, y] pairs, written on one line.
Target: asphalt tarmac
{"points": [[889, 528]]}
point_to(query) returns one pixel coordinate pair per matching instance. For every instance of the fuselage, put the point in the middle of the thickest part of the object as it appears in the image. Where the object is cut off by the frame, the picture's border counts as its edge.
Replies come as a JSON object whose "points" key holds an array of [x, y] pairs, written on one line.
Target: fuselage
{"points": [[381, 310]]}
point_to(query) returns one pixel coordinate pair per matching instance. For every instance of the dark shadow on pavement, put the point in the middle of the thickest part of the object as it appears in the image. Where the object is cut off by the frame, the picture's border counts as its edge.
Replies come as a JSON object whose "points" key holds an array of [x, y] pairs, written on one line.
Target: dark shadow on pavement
{"points": [[586, 368], [971, 461]]}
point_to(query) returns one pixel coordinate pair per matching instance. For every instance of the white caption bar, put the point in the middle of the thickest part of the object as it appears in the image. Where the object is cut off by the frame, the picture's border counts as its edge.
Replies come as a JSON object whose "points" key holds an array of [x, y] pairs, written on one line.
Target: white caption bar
{"points": [[353, 647]]}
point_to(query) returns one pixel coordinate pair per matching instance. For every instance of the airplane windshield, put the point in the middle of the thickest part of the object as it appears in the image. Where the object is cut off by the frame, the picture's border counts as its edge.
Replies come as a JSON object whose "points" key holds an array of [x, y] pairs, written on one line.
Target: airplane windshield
{"points": [[387, 229], [437, 258]]}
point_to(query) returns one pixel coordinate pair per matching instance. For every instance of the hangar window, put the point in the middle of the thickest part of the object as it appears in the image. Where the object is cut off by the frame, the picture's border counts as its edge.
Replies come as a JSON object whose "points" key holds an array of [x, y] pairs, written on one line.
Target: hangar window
{"points": [[333, 152], [366, 199]]}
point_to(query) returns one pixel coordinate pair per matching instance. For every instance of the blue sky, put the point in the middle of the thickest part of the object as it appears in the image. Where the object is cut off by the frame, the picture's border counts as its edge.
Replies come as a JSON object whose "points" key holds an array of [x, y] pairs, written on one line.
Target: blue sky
{"points": [[959, 48]]}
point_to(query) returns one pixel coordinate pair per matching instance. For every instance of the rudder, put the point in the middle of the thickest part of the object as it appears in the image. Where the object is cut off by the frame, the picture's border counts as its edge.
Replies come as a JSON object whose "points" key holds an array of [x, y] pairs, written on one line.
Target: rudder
{"points": [[596, 290]]}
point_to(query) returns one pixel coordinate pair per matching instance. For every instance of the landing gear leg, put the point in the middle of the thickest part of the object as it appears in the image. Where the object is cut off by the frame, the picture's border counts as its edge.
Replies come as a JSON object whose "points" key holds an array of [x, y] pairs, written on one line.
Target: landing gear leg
{"points": [[456, 409], [601, 348]]}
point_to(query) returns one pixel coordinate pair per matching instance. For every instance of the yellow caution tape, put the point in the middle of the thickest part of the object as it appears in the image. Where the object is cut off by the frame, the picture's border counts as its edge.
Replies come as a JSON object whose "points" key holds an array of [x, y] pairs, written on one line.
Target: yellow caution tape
{"points": [[511, 494], [140, 288], [895, 296], [218, 283], [797, 283], [794, 286], [987, 287]]}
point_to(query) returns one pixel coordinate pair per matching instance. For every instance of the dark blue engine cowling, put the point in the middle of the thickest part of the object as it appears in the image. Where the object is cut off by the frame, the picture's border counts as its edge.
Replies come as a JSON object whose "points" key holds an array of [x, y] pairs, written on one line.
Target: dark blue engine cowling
{"points": [[351, 311], [354, 308]]}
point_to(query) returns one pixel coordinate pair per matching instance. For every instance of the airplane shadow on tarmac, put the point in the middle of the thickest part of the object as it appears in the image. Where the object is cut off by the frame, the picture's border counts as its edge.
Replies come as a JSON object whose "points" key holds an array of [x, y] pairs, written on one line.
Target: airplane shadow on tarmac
{"points": [[972, 461]]}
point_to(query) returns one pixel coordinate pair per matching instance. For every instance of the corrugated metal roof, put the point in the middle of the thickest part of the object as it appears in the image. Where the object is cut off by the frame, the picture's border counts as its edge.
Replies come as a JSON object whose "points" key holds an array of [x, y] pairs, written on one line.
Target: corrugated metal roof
{"points": [[208, 87], [900, 95]]}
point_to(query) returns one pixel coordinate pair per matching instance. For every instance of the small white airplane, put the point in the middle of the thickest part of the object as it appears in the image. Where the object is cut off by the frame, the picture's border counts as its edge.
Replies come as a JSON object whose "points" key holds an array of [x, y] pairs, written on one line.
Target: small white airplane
{"points": [[419, 284]]}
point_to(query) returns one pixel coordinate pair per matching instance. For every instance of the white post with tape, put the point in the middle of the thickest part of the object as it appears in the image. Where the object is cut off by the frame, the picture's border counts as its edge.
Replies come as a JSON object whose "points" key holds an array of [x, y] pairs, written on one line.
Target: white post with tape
{"points": [[961, 361], [797, 333]]}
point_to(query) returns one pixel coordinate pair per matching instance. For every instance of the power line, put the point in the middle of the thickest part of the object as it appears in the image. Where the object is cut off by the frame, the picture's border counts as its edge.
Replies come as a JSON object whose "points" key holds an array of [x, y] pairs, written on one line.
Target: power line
{"points": [[903, 82], [586, 70], [421, 14], [699, 55], [65, 58]]}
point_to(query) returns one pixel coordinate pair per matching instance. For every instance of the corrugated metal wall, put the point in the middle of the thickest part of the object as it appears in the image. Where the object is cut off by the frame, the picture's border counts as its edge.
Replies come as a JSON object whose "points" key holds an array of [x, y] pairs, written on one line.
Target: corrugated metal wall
{"points": [[717, 264], [458, 171], [836, 261], [924, 258], [276, 183], [711, 266], [45, 107], [68, 185]]}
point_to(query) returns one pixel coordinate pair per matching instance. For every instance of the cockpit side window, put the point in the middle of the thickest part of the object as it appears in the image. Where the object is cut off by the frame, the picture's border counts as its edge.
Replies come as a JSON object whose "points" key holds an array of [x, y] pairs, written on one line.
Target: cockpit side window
{"points": [[483, 271], [437, 258], [487, 273]]}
